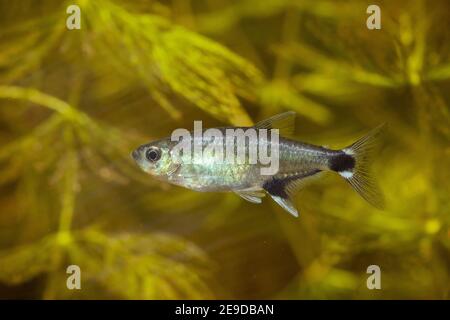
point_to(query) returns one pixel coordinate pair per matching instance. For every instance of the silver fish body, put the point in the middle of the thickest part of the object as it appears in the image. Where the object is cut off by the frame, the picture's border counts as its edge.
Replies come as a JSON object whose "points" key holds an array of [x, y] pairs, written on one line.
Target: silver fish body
{"points": [[294, 158], [297, 163]]}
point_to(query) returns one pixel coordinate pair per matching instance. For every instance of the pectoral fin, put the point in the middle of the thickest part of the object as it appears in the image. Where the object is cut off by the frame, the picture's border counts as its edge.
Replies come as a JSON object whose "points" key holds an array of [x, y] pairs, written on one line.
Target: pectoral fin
{"points": [[251, 196], [283, 188], [173, 168]]}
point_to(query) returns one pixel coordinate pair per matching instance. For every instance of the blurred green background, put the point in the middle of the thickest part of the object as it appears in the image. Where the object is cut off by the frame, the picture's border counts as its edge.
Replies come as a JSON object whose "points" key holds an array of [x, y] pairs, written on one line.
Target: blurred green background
{"points": [[74, 103]]}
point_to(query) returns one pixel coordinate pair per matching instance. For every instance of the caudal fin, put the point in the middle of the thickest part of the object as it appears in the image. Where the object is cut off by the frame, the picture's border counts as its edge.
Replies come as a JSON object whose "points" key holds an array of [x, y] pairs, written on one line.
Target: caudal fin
{"points": [[353, 165]]}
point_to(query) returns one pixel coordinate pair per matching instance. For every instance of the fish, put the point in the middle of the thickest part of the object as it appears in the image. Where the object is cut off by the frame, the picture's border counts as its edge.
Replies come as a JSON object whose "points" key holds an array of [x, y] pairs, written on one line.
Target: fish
{"points": [[298, 163]]}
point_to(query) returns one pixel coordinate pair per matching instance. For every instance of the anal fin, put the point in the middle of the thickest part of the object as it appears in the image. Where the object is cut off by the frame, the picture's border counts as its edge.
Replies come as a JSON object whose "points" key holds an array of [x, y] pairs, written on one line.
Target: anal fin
{"points": [[282, 188], [286, 204]]}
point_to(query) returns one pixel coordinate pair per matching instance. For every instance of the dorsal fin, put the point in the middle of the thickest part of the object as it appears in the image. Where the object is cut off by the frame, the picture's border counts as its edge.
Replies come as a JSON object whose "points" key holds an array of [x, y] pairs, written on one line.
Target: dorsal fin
{"points": [[282, 188], [284, 122]]}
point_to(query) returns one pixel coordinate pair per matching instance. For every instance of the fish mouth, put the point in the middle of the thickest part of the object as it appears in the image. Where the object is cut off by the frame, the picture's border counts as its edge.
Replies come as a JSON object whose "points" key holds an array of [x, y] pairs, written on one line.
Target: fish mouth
{"points": [[135, 155]]}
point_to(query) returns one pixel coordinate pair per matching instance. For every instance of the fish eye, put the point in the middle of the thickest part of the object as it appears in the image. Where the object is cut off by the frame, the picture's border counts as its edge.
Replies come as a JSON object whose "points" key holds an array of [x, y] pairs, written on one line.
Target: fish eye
{"points": [[153, 154]]}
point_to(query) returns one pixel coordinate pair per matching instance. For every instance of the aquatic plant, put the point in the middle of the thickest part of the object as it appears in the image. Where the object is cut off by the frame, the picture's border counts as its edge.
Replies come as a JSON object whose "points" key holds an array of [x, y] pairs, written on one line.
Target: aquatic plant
{"points": [[74, 103]]}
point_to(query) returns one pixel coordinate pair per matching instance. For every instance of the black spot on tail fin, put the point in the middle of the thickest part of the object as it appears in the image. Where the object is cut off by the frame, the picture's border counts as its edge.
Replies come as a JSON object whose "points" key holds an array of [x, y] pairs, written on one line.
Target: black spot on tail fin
{"points": [[356, 171], [342, 162]]}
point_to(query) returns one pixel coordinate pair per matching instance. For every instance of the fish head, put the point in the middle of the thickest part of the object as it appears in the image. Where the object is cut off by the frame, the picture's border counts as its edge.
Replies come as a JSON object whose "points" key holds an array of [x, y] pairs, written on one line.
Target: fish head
{"points": [[155, 158]]}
